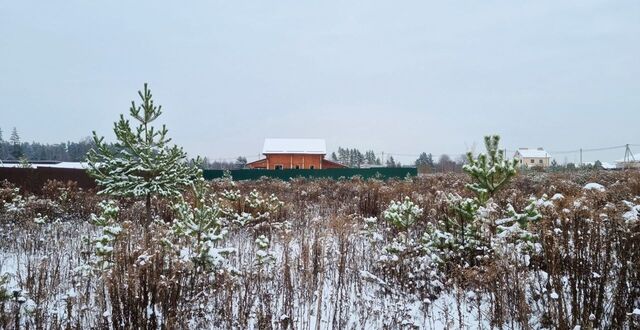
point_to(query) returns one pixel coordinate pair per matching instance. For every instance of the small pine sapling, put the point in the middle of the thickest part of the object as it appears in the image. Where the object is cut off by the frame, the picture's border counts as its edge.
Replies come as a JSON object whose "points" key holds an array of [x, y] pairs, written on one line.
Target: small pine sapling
{"points": [[24, 163], [40, 220], [107, 221], [199, 227], [460, 236], [4, 289], [515, 226], [489, 172], [141, 164], [264, 256]]}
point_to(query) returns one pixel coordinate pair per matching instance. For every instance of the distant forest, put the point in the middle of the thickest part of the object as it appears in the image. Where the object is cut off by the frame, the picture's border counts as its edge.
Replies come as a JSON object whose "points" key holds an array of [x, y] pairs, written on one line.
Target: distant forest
{"points": [[353, 157], [13, 149]]}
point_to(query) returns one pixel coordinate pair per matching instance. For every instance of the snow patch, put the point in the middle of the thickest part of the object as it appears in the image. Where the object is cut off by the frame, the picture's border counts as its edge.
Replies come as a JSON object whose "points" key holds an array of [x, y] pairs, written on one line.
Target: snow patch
{"points": [[594, 186]]}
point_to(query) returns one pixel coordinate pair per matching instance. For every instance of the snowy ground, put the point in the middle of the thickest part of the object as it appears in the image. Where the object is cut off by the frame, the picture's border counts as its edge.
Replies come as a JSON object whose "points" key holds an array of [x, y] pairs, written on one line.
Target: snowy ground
{"points": [[332, 268]]}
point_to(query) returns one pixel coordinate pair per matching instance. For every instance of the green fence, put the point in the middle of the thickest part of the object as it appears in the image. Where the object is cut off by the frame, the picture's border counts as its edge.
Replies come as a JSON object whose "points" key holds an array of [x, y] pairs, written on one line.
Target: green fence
{"points": [[333, 173]]}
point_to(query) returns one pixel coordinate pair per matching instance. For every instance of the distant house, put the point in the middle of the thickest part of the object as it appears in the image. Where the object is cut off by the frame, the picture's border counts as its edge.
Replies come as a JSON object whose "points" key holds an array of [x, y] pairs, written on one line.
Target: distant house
{"points": [[533, 157], [294, 154], [628, 163]]}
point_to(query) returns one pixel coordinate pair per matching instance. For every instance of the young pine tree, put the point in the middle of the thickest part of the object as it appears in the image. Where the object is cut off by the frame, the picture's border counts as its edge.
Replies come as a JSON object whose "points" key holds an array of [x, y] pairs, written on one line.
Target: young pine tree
{"points": [[490, 171], [460, 236], [141, 164]]}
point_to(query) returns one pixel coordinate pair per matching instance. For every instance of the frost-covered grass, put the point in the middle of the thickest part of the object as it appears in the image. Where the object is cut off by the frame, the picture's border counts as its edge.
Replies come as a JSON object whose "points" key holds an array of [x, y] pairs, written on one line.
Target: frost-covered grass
{"points": [[329, 255]]}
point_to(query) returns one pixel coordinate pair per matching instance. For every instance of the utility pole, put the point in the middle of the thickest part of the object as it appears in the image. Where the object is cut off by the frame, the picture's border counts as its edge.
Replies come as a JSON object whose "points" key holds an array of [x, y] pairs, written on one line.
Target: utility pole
{"points": [[580, 157], [628, 157]]}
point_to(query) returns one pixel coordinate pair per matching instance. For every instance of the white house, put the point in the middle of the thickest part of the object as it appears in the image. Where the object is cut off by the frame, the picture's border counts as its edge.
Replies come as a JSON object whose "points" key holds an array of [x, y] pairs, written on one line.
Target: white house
{"points": [[533, 157]]}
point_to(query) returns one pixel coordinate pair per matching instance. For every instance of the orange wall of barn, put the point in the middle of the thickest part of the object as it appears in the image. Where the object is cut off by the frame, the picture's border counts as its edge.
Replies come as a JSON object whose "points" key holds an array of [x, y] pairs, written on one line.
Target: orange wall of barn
{"points": [[290, 161]]}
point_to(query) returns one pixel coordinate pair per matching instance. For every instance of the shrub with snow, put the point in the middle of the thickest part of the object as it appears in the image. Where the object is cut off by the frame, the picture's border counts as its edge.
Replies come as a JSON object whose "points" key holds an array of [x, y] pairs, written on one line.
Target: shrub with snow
{"points": [[264, 257], [107, 221], [197, 230], [402, 214]]}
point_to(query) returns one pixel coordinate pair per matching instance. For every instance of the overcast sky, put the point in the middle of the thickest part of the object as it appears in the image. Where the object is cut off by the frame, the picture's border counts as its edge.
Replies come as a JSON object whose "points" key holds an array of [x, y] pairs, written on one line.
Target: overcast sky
{"points": [[395, 76]]}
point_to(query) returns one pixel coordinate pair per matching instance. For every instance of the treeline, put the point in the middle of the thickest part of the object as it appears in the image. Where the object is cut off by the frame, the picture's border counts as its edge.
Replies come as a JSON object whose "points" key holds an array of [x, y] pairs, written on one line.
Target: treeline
{"points": [[353, 157], [238, 164], [15, 149], [426, 163]]}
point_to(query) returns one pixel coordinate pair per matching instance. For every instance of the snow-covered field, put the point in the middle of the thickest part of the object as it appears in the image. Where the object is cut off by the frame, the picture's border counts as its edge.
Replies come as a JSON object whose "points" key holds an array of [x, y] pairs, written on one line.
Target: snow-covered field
{"points": [[329, 255]]}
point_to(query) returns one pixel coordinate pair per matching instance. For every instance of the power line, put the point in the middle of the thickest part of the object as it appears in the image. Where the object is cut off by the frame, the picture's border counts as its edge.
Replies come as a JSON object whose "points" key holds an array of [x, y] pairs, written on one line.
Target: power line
{"points": [[604, 148], [565, 152]]}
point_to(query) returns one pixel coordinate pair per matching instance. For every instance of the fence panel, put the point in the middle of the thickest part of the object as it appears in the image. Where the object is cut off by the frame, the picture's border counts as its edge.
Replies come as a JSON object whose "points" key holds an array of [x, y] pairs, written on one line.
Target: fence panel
{"points": [[32, 179], [333, 173]]}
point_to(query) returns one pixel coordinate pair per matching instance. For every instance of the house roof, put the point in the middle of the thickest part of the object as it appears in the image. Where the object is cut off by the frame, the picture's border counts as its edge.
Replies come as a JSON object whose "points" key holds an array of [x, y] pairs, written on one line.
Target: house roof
{"points": [[326, 161], [533, 153], [36, 164], [295, 146]]}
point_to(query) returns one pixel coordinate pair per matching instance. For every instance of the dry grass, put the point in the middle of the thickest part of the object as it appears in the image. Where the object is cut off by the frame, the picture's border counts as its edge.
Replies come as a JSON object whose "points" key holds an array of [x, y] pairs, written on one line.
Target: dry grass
{"points": [[589, 257]]}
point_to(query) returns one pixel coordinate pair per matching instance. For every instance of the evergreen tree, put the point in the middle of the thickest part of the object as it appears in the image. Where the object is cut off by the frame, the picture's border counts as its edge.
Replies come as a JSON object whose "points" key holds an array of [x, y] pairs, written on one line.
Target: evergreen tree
{"points": [[370, 158], [358, 158], [343, 156], [391, 162], [142, 164], [353, 157], [24, 162], [200, 228], [489, 172], [241, 162], [462, 236], [425, 160], [597, 165], [16, 150]]}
